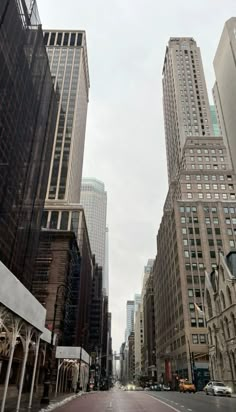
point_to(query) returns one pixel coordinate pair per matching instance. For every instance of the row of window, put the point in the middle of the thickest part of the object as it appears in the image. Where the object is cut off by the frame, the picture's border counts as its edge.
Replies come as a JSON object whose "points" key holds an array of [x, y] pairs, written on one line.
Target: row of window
{"points": [[191, 230], [207, 166], [207, 177], [206, 158], [224, 196], [62, 39], [205, 151], [207, 186], [201, 338]]}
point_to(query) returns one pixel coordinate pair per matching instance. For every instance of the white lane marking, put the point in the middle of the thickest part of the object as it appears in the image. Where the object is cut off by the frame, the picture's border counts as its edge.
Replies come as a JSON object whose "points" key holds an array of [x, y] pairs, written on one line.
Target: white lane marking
{"points": [[182, 406], [190, 410], [110, 405], [164, 403]]}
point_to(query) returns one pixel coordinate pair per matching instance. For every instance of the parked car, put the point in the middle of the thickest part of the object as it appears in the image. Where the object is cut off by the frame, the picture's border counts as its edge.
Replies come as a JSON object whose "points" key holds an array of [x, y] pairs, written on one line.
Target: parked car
{"points": [[186, 387], [166, 388], [217, 388]]}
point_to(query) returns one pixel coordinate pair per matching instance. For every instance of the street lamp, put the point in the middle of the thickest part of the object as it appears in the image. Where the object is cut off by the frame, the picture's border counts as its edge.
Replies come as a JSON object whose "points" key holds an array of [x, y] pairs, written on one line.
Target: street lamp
{"points": [[48, 374]]}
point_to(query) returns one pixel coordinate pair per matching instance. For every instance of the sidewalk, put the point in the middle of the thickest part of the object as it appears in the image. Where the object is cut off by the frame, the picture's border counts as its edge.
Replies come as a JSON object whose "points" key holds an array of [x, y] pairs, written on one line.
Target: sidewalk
{"points": [[36, 405]]}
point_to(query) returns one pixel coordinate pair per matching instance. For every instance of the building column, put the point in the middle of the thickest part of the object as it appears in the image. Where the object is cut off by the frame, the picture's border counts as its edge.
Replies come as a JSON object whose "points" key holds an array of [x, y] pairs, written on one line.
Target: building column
{"points": [[34, 371], [26, 350], [13, 336]]}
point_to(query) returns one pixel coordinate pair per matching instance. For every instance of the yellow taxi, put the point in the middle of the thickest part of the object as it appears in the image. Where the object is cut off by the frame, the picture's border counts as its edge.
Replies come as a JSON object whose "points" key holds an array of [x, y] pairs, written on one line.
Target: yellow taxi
{"points": [[186, 387]]}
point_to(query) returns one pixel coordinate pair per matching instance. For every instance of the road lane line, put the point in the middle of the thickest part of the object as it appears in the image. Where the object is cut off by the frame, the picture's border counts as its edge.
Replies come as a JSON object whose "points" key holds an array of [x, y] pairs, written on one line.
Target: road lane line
{"points": [[190, 410], [164, 403]]}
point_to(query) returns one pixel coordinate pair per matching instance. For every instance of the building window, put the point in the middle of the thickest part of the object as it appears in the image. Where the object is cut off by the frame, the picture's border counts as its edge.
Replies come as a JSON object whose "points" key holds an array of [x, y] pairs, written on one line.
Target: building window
{"points": [[195, 339], [188, 185], [64, 220], [227, 221], [184, 230], [190, 293], [212, 254], [198, 177], [185, 242], [186, 253], [200, 322], [207, 186], [203, 338], [54, 220], [215, 220], [200, 195], [231, 243], [189, 195], [199, 186], [224, 196], [193, 323], [183, 220], [217, 231], [191, 307]]}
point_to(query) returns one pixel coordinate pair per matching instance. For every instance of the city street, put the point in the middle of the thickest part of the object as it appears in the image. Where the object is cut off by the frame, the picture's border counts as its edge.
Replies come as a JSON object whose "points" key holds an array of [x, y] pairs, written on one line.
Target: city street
{"points": [[120, 401]]}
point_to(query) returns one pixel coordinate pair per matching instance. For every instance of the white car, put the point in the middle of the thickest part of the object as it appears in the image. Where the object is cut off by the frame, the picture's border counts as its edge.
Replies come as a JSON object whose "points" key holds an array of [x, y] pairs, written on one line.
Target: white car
{"points": [[217, 388]]}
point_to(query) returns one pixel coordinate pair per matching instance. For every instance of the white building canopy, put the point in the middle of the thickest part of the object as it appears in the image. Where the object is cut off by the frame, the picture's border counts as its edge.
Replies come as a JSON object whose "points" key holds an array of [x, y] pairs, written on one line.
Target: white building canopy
{"points": [[15, 297], [71, 352]]}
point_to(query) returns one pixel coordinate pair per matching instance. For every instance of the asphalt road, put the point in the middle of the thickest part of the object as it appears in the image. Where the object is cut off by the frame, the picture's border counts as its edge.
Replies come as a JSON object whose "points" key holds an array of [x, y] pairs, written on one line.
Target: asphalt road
{"points": [[120, 401], [198, 402]]}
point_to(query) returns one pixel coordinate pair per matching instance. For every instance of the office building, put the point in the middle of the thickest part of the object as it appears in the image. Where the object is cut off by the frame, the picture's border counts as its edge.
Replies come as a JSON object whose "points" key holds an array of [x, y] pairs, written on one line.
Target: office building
{"points": [[67, 53], [129, 318], [137, 301], [149, 332], [94, 201], [224, 90], [65, 257], [194, 226], [185, 99], [27, 107], [138, 342], [220, 293]]}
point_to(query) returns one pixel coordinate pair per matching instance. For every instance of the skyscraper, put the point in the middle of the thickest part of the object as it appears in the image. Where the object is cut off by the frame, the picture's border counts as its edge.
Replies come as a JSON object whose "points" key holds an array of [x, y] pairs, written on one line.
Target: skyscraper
{"points": [[224, 90], [129, 318], [185, 99], [199, 212], [94, 201], [26, 134], [67, 53]]}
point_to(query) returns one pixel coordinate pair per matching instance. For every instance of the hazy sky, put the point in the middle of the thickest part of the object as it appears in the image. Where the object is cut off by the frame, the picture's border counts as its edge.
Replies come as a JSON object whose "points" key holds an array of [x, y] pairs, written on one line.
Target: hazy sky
{"points": [[125, 143]]}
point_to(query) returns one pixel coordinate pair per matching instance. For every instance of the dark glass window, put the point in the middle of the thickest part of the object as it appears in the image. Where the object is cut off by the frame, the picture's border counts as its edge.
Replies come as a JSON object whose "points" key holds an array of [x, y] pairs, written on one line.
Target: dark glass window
{"points": [[66, 39], [64, 220], [52, 39], [79, 39], [75, 221], [46, 35], [59, 39], [53, 221], [72, 39], [44, 219]]}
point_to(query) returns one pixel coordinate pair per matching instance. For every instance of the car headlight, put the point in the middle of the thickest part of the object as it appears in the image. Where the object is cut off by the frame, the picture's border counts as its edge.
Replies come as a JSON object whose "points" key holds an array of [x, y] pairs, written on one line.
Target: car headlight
{"points": [[230, 390]]}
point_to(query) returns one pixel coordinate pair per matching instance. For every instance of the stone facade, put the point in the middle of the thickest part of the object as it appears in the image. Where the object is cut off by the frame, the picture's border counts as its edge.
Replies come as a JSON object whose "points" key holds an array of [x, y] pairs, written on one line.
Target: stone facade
{"points": [[220, 310]]}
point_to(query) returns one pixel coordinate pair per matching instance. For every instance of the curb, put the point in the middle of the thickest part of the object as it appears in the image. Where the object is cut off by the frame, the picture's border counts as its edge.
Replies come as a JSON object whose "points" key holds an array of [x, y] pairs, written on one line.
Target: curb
{"points": [[61, 403]]}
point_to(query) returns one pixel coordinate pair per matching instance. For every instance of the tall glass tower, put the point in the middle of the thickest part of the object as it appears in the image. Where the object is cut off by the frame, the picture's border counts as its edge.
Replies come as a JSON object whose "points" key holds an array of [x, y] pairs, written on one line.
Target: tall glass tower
{"points": [[67, 54], [94, 201]]}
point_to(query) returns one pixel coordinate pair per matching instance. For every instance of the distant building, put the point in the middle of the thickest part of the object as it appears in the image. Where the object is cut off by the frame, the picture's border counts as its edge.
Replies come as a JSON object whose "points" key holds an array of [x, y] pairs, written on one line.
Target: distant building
{"points": [[138, 342], [224, 90], [94, 201], [129, 318], [137, 301], [220, 305], [149, 331]]}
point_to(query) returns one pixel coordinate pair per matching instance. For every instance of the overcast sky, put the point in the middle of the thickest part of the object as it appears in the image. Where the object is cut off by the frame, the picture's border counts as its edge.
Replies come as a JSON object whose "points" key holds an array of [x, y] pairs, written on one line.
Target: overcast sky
{"points": [[125, 143]]}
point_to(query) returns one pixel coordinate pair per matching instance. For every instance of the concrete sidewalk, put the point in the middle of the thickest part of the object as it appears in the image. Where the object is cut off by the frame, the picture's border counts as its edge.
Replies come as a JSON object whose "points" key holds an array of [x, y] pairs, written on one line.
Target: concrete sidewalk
{"points": [[61, 399]]}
